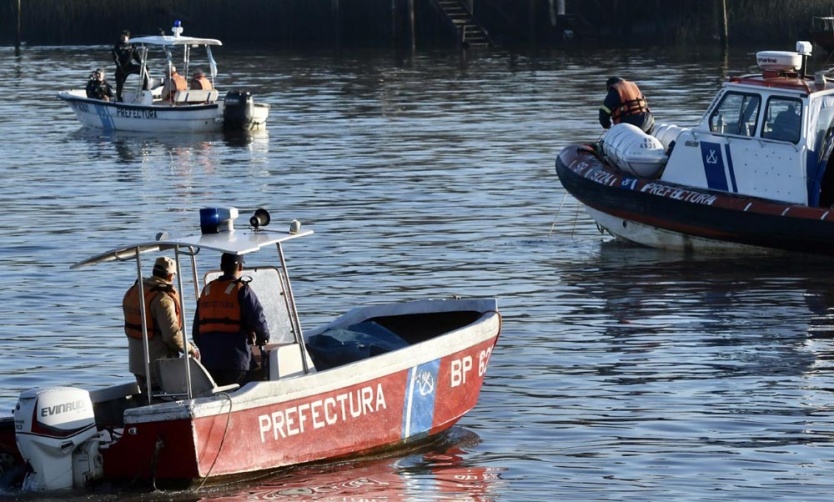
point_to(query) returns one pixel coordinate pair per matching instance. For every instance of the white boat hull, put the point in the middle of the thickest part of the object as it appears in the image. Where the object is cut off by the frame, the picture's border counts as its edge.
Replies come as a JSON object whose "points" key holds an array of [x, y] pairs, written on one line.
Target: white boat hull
{"points": [[659, 238], [156, 118]]}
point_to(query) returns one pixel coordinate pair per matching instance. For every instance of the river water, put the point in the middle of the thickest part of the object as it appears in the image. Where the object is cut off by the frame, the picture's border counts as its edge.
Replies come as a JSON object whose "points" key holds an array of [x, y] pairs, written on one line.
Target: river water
{"points": [[621, 372]]}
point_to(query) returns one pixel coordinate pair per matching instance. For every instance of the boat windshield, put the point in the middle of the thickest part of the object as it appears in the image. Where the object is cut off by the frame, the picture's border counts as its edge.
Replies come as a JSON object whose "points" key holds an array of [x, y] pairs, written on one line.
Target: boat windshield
{"points": [[737, 113]]}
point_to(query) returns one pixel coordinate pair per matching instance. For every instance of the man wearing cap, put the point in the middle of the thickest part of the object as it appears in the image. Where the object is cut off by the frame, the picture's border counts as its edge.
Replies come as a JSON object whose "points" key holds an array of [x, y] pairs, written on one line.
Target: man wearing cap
{"points": [[199, 81], [127, 61], [229, 318], [163, 319], [625, 103]]}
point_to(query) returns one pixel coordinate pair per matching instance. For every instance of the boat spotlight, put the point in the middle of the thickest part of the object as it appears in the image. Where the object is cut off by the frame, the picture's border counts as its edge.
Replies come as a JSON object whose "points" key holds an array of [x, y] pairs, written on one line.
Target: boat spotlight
{"points": [[260, 218], [295, 226]]}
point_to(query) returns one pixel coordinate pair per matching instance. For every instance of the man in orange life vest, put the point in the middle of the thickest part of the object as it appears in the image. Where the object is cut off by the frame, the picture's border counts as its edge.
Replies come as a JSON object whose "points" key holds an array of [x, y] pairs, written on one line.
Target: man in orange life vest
{"points": [[163, 319], [229, 318], [625, 103], [175, 82], [199, 81]]}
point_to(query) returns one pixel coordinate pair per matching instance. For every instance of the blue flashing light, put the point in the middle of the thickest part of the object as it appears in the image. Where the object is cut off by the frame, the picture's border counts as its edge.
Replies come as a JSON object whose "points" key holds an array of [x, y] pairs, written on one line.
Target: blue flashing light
{"points": [[177, 23], [217, 219]]}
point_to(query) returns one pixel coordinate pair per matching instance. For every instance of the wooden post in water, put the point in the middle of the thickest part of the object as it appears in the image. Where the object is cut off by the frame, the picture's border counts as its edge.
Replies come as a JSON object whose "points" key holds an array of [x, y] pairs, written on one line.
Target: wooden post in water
{"points": [[531, 19], [334, 12], [17, 32], [395, 29], [411, 34]]}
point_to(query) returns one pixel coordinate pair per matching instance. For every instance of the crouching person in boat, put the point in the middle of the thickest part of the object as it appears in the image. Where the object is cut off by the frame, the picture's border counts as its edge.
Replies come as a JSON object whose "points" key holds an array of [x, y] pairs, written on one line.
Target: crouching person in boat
{"points": [[97, 86], [625, 103], [163, 319], [228, 319]]}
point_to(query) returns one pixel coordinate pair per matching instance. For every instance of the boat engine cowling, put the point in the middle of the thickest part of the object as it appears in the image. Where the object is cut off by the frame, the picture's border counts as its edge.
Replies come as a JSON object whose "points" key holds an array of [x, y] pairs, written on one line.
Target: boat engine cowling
{"points": [[238, 111], [51, 423], [633, 151]]}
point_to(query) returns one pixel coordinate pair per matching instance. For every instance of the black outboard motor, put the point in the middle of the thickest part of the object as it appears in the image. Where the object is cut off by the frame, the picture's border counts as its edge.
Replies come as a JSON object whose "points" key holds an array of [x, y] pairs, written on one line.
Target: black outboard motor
{"points": [[238, 111]]}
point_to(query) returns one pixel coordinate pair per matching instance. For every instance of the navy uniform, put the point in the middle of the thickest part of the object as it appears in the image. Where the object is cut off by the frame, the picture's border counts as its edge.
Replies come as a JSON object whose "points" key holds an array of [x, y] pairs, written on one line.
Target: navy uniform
{"points": [[228, 318], [127, 61], [98, 88]]}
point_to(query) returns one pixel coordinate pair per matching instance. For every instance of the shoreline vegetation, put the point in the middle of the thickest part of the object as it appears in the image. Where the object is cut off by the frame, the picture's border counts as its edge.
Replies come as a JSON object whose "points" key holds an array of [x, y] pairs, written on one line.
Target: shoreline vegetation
{"points": [[300, 24]]}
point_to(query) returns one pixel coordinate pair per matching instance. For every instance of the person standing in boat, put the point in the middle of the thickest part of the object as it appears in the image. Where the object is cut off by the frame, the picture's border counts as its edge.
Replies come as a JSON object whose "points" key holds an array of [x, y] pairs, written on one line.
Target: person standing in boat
{"points": [[127, 60], [175, 82], [229, 319], [97, 86], [163, 319], [199, 81], [625, 103]]}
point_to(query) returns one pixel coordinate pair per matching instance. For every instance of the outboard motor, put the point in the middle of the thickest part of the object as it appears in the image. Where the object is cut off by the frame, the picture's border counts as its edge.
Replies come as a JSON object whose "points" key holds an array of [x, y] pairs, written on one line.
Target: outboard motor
{"points": [[238, 111], [52, 425]]}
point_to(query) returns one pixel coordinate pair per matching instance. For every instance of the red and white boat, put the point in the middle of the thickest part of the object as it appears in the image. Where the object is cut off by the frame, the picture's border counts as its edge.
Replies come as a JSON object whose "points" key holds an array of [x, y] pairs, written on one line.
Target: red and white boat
{"points": [[375, 378], [755, 174]]}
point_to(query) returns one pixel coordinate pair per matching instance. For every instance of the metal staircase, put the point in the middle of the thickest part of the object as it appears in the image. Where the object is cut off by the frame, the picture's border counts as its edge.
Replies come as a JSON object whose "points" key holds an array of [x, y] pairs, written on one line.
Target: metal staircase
{"points": [[470, 32]]}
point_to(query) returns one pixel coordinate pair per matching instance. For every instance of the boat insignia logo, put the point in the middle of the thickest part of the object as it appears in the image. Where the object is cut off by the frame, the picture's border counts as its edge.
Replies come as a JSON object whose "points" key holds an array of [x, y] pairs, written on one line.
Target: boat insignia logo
{"points": [[712, 158], [425, 383]]}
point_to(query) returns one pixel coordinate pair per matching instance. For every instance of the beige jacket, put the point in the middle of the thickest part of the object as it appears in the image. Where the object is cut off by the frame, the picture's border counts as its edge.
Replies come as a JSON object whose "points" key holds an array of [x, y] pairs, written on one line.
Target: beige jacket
{"points": [[170, 344]]}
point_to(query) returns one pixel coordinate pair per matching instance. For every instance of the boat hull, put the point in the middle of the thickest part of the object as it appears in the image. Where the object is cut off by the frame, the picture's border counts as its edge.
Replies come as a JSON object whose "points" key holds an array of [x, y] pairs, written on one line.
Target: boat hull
{"points": [[156, 118], [375, 404], [665, 215]]}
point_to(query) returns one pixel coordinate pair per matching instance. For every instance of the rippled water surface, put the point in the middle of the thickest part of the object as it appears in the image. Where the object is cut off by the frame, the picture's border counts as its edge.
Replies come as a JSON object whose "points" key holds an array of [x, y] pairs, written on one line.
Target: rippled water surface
{"points": [[621, 373]]}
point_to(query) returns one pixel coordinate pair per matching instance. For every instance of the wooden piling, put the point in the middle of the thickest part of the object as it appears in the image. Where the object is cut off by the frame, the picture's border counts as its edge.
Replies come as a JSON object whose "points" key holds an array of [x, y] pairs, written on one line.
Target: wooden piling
{"points": [[17, 31], [411, 27], [334, 12]]}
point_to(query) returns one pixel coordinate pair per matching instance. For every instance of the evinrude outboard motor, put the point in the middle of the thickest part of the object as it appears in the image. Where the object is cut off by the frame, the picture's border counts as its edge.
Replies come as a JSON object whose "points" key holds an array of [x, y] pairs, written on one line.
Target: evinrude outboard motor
{"points": [[52, 424], [238, 111]]}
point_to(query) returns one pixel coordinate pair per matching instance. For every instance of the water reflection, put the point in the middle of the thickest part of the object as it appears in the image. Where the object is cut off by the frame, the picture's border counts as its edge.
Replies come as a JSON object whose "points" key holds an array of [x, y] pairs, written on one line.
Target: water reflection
{"points": [[621, 372], [439, 468], [137, 148]]}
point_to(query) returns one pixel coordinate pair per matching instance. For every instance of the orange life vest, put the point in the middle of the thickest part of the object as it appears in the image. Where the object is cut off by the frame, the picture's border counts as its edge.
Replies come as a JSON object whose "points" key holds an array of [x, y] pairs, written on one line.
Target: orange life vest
{"points": [[201, 83], [133, 312], [219, 307], [176, 83], [632, 101]]}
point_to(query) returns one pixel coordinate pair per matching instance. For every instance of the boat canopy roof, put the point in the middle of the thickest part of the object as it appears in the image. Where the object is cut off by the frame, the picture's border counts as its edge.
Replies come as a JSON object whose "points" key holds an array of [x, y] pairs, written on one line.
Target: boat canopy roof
{"points": [[169, 40], [238, 242]]}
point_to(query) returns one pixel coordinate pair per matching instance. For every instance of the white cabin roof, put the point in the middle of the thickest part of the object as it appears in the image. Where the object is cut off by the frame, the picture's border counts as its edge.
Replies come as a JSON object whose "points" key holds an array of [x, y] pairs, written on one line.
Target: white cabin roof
{"points": [[238, 242], [169, 40]]}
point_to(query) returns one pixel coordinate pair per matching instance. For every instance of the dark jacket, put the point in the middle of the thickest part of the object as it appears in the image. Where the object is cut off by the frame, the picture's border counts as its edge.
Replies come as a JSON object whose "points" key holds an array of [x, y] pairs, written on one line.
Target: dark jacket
{"points": [[99, 89], [227, 347], [124, 53]]}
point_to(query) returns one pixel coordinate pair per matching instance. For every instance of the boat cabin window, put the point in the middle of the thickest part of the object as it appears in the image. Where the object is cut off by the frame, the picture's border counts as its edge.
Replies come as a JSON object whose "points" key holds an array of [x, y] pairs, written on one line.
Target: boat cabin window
{"points": [[783, 119], [737, 114]]}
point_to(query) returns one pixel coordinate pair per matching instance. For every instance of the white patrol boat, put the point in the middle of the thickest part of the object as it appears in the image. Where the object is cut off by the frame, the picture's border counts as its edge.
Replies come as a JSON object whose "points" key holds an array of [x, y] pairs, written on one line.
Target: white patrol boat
{"points": [[376, 378], [755, 174], [142, 108]]}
